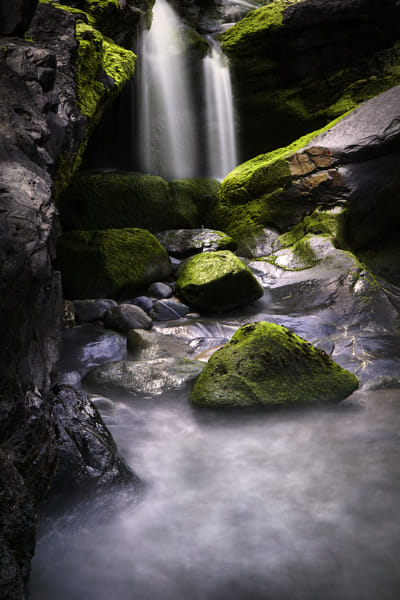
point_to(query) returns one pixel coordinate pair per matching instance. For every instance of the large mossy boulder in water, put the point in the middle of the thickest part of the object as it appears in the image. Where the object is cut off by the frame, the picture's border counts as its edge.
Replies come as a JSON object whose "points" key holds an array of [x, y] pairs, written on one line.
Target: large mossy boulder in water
{"points": [[298, 65], [116, 200], [217, 281], [112, 262], [268, 365]]}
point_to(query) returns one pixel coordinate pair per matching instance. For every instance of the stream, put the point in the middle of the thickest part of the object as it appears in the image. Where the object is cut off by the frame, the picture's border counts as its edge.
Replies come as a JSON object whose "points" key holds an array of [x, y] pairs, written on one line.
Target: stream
{"points": [[299, 504]]}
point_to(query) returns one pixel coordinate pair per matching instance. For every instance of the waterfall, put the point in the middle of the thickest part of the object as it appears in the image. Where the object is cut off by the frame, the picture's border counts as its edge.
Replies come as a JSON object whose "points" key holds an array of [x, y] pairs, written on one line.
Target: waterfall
{"points": [[183, 131], [167, 144], [221, 143]]}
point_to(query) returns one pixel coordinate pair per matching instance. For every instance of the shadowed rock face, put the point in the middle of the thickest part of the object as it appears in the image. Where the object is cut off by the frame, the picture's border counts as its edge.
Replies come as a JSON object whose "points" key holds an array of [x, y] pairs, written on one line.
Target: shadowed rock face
{"points": [[15, 16], [297, 67], [38, 121]]}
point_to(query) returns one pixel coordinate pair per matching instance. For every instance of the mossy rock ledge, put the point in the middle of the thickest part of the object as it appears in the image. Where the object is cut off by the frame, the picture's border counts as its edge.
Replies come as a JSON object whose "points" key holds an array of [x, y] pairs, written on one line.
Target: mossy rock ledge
{"points": [[111, 262], [268, 365], [217, 281]]}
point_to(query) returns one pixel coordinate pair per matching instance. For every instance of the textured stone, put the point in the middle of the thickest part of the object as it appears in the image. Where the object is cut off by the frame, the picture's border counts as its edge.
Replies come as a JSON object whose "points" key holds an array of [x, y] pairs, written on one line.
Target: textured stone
{"points": [[125, 317]]}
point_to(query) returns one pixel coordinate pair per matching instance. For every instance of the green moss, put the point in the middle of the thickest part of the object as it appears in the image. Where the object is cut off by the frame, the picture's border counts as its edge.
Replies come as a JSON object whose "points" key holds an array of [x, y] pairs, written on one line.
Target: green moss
{"points": [[217, 281], [193, 198], [97, 55], [248, 31], [252, 195], [101, 201], [278, 102], [330, 223], [266, 364], [112, 262], [102, 69]]}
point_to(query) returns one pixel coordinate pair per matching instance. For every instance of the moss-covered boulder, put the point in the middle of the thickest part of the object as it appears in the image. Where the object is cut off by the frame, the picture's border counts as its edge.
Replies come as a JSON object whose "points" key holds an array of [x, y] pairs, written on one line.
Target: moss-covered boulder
{"points": [[217, 281], [117, 200], [266, 364], [275, 189], [290, 77], [112, 262]]}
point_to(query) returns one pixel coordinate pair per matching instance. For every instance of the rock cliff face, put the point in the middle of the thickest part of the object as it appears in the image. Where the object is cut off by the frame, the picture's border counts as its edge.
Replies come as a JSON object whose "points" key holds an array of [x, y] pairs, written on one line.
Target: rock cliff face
{"points": [[299, 65], [44, 127]]}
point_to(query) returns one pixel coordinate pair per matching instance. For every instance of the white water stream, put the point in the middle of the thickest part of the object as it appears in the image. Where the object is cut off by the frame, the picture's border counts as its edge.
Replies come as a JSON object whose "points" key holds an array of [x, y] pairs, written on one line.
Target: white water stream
{"points": [[174, 109], [220, 118], [284, 506]]}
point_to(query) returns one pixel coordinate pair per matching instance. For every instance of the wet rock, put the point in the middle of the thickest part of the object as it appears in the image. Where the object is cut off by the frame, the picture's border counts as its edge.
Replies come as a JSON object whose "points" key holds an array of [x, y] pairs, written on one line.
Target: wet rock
{"points": [[124, 317], [92, 309], [258, 243], [217, 281], [185, 242], [314, 276], [88, 460], [166, 310], [147, 345], [111, 262], [144, 302], [85, 347], [266, 364], [150, 378], [160, 290]]}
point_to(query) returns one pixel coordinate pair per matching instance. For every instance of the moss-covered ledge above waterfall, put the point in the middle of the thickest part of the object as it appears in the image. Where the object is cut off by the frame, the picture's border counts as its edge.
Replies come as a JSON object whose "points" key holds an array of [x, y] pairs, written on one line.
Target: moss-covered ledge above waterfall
{"points": [[298, 65], [101, 69]]}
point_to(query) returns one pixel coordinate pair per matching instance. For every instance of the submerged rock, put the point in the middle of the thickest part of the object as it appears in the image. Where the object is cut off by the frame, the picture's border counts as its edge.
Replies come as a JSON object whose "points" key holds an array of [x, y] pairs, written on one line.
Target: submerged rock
{"points": [[146, 345], [217, 281], [148, 378], [110, 262], [185, 242], [266, 364]]}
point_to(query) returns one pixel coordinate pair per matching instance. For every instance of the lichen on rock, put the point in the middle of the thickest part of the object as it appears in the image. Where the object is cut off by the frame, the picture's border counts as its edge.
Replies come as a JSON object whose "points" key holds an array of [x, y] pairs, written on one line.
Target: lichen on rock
{"points": [[267, 365]]}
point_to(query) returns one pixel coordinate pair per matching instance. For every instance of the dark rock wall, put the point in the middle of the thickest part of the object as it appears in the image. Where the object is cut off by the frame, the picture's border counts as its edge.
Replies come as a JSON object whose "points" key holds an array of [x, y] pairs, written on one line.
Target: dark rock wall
{"points": [[40, 124]]}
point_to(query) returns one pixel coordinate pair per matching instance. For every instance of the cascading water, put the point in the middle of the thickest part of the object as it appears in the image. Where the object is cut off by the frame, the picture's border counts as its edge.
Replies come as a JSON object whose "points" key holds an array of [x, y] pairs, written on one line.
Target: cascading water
{"points": [[221, 143], [166, 117], [182, 132]]}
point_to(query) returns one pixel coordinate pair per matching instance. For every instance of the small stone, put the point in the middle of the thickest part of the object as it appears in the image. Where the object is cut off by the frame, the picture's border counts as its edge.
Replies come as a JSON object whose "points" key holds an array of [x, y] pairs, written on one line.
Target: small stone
{"points": [[127, 316], [144, 302], [160, 290], [168, 309], [91, 310]]}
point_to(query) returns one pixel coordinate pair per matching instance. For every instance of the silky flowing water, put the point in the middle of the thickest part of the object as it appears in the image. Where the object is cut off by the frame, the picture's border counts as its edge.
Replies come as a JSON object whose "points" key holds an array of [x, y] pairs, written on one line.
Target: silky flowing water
{"points": [[288, 505], [186, 117]]}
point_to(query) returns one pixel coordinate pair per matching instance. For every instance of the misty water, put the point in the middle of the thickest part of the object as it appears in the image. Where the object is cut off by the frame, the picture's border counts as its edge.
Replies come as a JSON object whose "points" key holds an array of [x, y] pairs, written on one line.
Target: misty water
{"points": [[254, 505]]}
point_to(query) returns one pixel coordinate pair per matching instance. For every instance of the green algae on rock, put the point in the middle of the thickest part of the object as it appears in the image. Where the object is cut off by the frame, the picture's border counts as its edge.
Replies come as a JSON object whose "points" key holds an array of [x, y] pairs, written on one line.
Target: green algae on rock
{"points": [[112, 262], [217, 281], [267, 365]]}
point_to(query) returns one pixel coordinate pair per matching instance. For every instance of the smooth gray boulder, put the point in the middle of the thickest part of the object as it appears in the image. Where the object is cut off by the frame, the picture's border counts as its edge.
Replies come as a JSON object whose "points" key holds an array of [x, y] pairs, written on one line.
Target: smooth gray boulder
{"points": [[150, 378], [185, 242]]}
